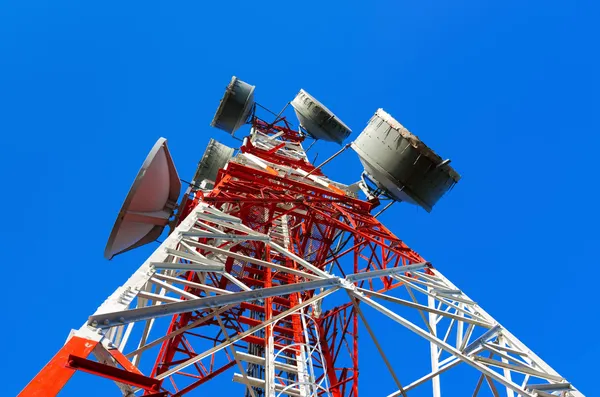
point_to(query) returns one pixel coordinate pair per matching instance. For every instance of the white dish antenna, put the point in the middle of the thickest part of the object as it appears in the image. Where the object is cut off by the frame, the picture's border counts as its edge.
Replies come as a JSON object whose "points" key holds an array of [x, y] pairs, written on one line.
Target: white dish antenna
{"points": [[148, 205], [235, 106], [400, 164], [317, 120], [215, 157]]}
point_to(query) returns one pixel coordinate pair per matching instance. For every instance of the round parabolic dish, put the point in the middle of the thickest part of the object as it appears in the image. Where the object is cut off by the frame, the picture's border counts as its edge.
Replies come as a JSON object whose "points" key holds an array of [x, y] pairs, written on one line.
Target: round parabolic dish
{"points": [[149, 203], [401, 164], [215, 157], [235, 106], [317, 120]]}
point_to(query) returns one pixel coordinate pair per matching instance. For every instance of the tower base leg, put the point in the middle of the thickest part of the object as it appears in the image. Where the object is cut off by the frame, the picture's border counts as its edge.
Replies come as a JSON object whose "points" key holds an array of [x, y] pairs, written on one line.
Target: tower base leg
{"points": [[52, 378]]}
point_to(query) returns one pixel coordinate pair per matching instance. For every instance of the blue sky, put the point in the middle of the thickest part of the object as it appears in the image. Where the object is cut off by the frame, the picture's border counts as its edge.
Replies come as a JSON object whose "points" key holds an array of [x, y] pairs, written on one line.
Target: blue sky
{"points": [[508, 90]]}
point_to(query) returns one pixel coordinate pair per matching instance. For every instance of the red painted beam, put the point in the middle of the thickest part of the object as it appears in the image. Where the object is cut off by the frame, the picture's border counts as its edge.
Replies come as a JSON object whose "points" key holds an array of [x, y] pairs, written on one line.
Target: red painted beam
{"points": [[114, 373], [51, 379]]}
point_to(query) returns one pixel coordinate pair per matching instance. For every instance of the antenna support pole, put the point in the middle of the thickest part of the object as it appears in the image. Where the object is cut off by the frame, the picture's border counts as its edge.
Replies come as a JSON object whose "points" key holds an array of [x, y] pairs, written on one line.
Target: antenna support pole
{"points": [[346, 146], [384, 208]]}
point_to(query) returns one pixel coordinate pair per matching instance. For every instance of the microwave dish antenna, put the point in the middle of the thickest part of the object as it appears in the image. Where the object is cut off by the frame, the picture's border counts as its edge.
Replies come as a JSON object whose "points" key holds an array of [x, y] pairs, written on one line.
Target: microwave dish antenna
{"points": [[318, 121], [149, 204], [235, 106], [401, 165], [215, 157]]}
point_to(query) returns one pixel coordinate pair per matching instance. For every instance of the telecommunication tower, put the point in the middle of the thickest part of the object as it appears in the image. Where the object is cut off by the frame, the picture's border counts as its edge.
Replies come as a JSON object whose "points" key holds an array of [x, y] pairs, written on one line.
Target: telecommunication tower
{"points": [[259, 244]]}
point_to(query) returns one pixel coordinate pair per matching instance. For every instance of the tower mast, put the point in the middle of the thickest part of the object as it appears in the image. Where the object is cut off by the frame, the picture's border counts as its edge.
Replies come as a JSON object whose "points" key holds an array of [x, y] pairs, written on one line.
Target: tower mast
{"points": [[260, 243]]}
